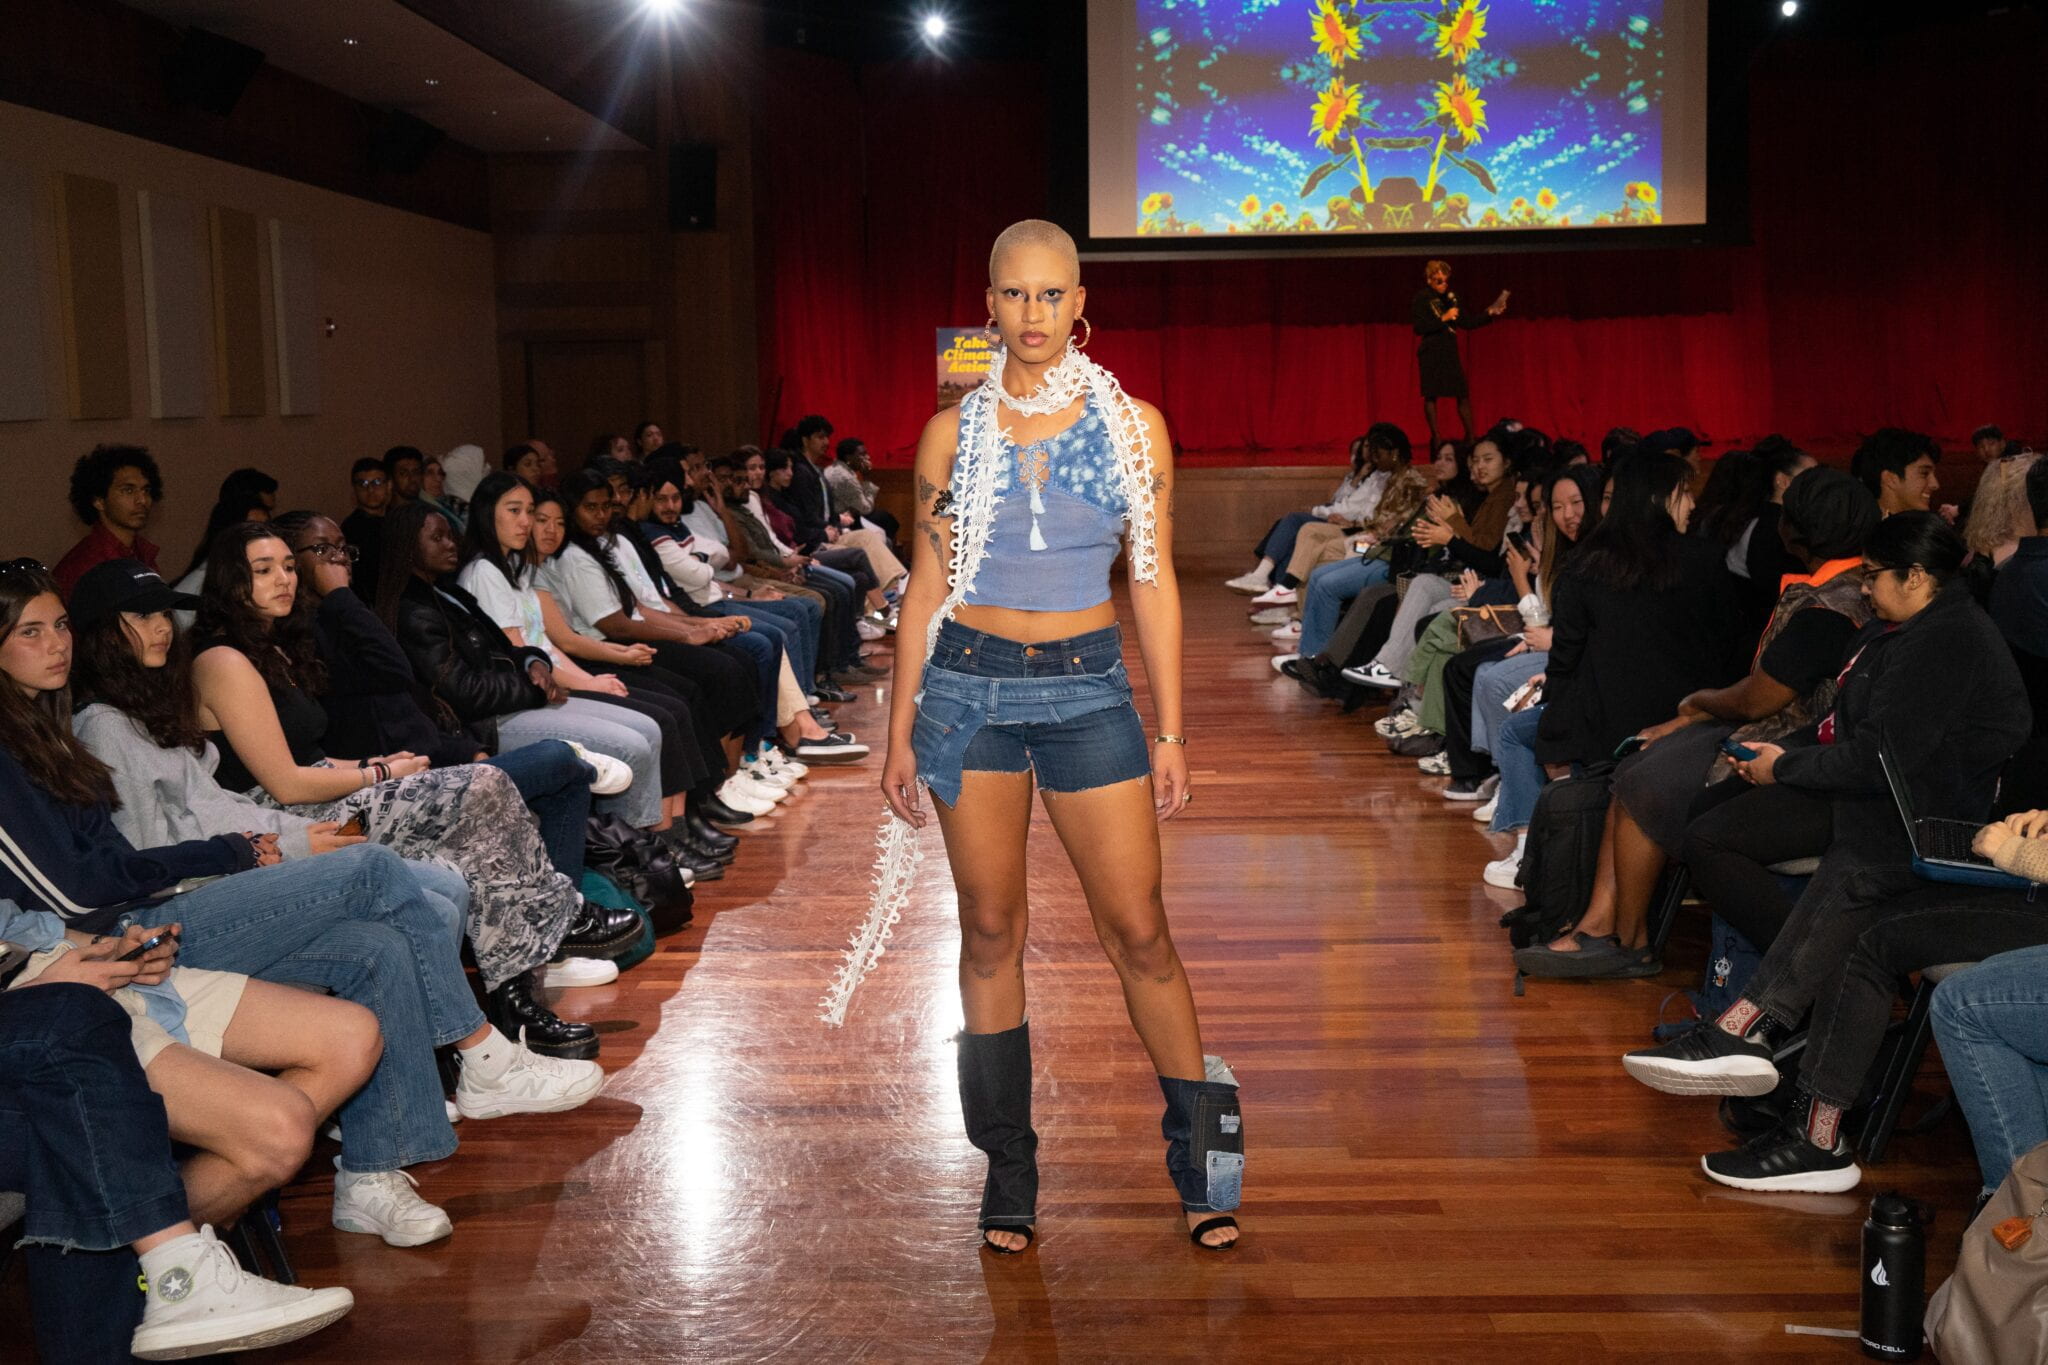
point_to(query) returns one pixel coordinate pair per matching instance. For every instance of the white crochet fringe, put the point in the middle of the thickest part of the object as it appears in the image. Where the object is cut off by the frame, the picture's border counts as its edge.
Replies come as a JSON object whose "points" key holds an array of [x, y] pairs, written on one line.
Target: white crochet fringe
{"points": [[974, 507]]}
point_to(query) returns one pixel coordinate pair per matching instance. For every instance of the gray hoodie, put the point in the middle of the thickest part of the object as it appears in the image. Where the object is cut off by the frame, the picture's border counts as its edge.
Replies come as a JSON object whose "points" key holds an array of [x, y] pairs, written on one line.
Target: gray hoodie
{"points": [[169, 795]]}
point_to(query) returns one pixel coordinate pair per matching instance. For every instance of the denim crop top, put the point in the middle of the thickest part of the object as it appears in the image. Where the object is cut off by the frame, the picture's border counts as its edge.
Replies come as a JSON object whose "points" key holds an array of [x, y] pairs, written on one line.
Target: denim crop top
{"points": [[1058, 524]]}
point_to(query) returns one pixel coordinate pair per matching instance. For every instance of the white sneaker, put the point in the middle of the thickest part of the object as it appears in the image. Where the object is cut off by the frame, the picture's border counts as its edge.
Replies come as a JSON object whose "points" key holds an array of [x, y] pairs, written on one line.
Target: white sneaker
{"points": [[758, 789], [1374, 674], [1276, 596], [1250, 582], [1484, 813], [1502, 873], [781, 762], [454, 1114], [1280, 661], [1435, 765], [612, 777], [1286, 634], [758, 771], [1489, 787], [386, 1204], [567, 973], [531, 1084], [1272, 616], [1396, 724], [201, 1303], [733, 794], [868, 630]]}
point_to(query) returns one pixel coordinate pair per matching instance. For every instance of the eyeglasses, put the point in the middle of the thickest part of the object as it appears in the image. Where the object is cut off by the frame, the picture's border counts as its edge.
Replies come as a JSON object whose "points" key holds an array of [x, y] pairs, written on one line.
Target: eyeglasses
{"points": [[377, 482], [331, 552]]}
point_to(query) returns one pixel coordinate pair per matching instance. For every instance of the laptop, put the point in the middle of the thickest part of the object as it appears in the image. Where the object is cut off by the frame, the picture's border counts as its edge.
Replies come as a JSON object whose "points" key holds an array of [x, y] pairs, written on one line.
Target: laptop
{"points": [[1941, 848]]}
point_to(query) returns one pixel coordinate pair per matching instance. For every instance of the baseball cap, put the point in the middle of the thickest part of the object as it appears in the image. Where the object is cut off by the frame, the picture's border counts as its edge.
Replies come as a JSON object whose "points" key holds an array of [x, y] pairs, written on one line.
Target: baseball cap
{"points": [[119, 585]]}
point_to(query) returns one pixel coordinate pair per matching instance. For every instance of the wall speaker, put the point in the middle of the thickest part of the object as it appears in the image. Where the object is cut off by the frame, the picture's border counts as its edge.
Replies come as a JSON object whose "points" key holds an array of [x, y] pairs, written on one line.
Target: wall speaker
{"points": [[210, 71], [693, 187], [400, 142]]}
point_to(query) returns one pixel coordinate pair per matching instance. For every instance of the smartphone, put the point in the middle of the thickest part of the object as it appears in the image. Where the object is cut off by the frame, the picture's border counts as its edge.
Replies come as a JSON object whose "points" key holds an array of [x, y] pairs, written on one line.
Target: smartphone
{"points": [[1737, 751], [351, 826], [148, 945], [1629, 746], [1521, 541]]}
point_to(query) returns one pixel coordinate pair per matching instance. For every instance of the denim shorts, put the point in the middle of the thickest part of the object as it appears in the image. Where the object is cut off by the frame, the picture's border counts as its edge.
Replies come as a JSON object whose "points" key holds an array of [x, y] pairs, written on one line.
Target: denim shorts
{"points": [[1060, 709]]}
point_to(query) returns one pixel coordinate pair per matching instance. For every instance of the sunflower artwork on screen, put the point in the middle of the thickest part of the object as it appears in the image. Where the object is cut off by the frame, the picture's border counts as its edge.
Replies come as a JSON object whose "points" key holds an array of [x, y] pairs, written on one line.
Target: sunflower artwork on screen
{"points": [[1356, 116]]}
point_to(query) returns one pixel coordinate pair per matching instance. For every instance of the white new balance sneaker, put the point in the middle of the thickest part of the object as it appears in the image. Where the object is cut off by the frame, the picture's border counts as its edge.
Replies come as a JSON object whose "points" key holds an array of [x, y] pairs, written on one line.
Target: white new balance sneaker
{"points": [[201, 1303], [757, 769], [612, 777], [733, 792], [386, 1204], [758, 788], [528, 1084]]}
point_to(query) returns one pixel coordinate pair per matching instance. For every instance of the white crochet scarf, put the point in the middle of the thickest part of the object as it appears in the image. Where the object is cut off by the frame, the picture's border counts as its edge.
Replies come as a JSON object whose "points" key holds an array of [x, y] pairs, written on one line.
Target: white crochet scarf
{"points": [[973, 483]]}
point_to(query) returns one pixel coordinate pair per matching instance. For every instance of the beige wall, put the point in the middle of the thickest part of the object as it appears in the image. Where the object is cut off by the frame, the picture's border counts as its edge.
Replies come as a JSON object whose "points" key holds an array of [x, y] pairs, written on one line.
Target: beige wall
{"points": [[412, 359]]}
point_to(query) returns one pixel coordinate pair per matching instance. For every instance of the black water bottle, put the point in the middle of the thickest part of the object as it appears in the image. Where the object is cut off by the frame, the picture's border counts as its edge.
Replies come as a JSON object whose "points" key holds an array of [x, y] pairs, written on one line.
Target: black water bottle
{"points": [[1894, 1278]]}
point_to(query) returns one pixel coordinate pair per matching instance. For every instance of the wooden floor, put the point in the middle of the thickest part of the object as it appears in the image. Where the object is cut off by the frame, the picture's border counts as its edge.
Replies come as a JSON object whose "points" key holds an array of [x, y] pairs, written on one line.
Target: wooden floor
{"points": [[1439, 1171]]}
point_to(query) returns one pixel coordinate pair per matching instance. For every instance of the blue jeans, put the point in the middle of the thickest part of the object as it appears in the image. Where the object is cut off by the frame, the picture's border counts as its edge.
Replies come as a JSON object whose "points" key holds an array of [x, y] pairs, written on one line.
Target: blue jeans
{"points": [[84, 1138], [1992, 1024], [799, 621], [762, 647], [1278, 545], [353, 921], [1521, 775], [556, 785], [616, 731], [1492, 686], [1330, 589]]}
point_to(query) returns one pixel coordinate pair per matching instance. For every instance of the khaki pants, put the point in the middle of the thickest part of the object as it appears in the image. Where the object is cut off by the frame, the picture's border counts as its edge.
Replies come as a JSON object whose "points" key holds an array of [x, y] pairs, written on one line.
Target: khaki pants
{"points": [[888, 568], [1317, 543]]}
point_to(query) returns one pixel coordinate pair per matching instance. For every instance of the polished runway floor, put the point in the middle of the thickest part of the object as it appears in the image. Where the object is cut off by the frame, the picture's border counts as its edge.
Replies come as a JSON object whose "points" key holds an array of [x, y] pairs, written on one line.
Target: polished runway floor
{"points": [[1439, 1171]]}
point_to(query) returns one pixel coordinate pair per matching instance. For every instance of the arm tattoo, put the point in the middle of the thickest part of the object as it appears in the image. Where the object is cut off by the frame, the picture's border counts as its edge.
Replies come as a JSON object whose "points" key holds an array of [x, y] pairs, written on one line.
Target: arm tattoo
{"points": [[1159, 485], [931, 536], [942, 505], [926, 489]]}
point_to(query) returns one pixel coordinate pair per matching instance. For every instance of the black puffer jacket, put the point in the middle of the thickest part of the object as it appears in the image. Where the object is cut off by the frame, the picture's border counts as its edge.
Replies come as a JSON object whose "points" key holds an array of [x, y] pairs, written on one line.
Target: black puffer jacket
{"points": [[461, 656], [1941, 693]]}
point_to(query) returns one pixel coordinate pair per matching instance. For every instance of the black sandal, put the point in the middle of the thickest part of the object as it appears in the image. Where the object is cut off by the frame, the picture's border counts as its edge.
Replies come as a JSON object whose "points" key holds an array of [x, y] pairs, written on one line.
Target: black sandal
{"points": [[1208, 1225], [1030, 1235]]}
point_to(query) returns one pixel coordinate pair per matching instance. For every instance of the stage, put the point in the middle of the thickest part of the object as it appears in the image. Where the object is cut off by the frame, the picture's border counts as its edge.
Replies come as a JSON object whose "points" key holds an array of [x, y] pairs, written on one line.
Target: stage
{"points": [[1439, 1171]]}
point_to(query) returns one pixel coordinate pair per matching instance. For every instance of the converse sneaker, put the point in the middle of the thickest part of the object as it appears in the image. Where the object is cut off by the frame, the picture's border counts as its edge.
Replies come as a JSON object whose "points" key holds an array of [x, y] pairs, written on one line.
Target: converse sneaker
{"points": [[1502, 872], [1286, 634], [1485, 812], [1705, 1060], [1373, 674], [612, 776], [201, 1303], [567, 973], [1272, 616], [1253, 582], [1276, 596], [1783, 1161], [1435, 765], [386, 1204], [512, 1080]]}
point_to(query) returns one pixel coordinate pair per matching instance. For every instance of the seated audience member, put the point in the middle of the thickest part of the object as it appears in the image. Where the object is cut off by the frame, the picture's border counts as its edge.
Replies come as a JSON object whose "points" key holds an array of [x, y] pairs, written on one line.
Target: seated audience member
{"points": [[73, 870], [1327, 541], [364, 527], [609, 445], [86, 1142], [1825, 790], [1989, 444], [863, 554], [1674, 441], [113, 490], [1897, 466], [854, 494], [1643, 615], [1349, 508], [2000, 513], [648, 438], [2019, 598], [434, 491], [256, 672], [245, 495], [807, 497], [406, 467], [1459, 539], [1758, 553], [1470, 698], [1331, 588], [1827, 518], [532, 460], [1988, 1022]]}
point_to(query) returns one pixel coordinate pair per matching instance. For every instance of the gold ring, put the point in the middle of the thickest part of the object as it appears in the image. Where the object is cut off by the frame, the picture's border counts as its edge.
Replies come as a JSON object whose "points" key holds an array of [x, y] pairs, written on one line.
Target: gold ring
{"points": [[1186, 797]]}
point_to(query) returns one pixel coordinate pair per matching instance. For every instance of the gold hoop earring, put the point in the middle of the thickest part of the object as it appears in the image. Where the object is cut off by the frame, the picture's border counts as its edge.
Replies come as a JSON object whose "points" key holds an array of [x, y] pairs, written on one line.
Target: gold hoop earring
{"points": [[1086, 336]]}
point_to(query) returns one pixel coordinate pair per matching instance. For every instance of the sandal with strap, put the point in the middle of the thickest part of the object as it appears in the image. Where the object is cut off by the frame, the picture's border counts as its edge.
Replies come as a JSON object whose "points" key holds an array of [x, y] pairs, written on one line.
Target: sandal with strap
{"points": [[1209, 1225], [1030, 1234]]}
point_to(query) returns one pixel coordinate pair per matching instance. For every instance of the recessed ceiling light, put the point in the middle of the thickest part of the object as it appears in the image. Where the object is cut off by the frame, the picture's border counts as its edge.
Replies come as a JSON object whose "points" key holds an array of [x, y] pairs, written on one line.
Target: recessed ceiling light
{"points": [[348, 42], [432, 81]]}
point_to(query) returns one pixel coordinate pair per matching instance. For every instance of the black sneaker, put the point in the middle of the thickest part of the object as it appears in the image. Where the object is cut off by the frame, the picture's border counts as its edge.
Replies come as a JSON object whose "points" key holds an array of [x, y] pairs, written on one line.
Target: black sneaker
{"points": [[1705, 1060], [1785, 1162], [1463, 789]]}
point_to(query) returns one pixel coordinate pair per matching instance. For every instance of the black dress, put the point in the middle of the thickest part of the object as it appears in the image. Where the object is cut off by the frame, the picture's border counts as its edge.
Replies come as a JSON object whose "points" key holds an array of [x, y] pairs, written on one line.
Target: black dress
{"points": [[1443, 374]]}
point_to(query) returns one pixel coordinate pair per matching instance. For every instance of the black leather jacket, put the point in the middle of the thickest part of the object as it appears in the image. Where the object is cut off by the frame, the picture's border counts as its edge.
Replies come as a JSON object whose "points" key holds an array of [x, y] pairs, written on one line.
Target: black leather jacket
{"points": [[461, 656]]}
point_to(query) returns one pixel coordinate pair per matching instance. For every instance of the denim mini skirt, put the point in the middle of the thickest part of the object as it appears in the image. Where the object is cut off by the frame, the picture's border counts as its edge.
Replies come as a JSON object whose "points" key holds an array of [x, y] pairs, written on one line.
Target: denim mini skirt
{"points": [[1060, 709]]}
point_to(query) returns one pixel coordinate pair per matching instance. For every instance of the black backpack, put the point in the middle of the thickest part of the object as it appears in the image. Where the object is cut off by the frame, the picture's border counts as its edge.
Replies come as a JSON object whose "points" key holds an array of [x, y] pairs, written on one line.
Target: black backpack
{"points": [[1561, 858]]}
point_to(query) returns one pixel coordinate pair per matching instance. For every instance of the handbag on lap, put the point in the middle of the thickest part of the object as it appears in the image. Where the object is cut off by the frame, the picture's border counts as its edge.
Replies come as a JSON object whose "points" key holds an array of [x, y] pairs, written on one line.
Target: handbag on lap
{"points": [[1476, 625]]}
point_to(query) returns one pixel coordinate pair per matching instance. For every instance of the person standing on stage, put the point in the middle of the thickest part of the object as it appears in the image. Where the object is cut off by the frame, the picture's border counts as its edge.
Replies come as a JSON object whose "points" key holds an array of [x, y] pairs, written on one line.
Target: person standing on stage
{"points": [[1010, 668], [1438, 320]]}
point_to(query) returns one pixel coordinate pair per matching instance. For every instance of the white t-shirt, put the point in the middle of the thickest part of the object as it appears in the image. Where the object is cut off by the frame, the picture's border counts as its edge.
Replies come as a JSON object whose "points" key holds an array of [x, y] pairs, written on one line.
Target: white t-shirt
{"points": [[627, 561], [509, 607], [583, 590]]}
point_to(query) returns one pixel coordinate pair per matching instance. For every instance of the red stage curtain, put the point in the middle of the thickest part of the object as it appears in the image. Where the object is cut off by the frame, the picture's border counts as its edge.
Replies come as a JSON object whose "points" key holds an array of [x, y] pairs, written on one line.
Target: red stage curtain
{"points": [[1896, 274]]}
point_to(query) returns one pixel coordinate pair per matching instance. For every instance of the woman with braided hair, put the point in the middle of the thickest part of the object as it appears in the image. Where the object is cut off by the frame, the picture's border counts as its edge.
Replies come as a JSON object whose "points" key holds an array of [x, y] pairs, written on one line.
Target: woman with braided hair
{"points": [[1009, 668]]}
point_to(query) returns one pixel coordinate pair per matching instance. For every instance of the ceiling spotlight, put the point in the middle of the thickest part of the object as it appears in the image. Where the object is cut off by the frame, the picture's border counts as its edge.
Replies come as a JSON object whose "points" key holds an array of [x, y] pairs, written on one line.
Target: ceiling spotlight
{"points": [[662, 9], [432, 81], [348, 42], [933, 27], [1789, 8]]}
